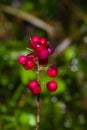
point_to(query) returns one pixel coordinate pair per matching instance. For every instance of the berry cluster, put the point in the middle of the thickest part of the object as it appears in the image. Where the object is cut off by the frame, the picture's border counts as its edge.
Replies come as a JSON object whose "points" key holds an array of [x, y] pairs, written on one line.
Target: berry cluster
{"points": [[41, 51]]}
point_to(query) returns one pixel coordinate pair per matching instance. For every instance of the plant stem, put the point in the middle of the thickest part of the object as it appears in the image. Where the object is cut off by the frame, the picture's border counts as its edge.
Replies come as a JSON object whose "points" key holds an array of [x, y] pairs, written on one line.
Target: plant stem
{"points": [[38, 98], [38, 112]]}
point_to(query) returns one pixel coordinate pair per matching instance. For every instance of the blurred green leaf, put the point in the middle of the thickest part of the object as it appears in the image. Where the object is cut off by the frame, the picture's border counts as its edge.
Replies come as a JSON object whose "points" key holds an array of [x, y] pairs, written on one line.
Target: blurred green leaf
{"points": [[26, 76], [70, 53], [27, 6], [24, 118]]}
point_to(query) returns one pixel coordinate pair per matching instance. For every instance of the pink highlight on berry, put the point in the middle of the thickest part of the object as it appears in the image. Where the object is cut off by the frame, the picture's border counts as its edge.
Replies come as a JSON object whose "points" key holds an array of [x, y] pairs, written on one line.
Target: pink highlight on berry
{"points": [[34, 87], [29, 65], [38, 47], [43, 41], [22, 59], [50, 50], [52, 86], [35, 39], [52, 71], [44, 54]]}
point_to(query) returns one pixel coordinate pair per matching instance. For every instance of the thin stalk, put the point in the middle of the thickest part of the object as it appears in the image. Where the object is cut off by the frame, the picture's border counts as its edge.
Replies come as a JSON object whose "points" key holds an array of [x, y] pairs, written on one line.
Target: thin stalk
{"points": [[38, 99]]}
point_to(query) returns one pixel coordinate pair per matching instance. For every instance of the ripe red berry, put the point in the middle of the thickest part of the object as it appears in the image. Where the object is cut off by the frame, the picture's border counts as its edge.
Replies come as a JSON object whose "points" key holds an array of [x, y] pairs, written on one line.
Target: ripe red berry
{"points": [[52, 86], [36, 90], [29, 65], [38, 47], [35, 39], [31, 56], [50, 50], [43, 41], [52, 71], [32, 44], [43, 54], [22, 59], [34, 87], [32, 84]]}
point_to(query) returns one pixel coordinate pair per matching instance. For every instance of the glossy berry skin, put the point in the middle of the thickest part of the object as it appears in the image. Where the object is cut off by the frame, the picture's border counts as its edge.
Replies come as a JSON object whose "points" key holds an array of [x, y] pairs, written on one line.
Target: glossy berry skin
{"points": [[52, 86], [36, 90], [29, 65], [43, 41], [22, 59], [32, 84], [35, 39], [34, 87], [43, 55], [50, 50], [38, 47], [52, 71], [31, 56]]}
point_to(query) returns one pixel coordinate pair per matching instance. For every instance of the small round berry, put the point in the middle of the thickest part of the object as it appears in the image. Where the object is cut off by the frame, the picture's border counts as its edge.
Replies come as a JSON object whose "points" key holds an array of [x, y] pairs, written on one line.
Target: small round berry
{"points": [[32, 44], [29, 65], [38, 47], [35, 39], [36, 90], [50, 50], [52, 86], [43, 41], [52, 71], [31, 56], [22, 59], [44, 54], [32, 84], [34, 87]]}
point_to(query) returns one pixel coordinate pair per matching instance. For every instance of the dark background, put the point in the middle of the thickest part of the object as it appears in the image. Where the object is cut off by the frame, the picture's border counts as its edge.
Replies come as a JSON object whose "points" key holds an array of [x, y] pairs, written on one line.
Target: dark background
{"points": [[64, 24]]}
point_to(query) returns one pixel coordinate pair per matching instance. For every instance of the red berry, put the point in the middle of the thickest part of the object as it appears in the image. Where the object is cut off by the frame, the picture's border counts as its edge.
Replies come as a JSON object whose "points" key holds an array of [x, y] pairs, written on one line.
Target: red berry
{"points": [[22, 59], [29, 65], [52, 86], [31, 56], [36, 90], [38, 47], [35, 39], [34, 87], [52, 71], [32, 84], [43, 41], [32, 44], [50, 50], [44, 54]]}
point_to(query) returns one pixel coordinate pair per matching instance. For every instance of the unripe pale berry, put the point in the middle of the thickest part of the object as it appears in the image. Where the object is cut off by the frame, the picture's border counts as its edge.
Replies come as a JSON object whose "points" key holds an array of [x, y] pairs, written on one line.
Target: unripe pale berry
{"points": [[52, 71], [52, 86], [22, 59]]}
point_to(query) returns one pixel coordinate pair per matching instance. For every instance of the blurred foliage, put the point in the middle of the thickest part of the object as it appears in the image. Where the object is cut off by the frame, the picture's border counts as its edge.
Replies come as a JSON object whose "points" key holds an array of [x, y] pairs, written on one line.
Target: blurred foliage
{"points": [[66, 109]]}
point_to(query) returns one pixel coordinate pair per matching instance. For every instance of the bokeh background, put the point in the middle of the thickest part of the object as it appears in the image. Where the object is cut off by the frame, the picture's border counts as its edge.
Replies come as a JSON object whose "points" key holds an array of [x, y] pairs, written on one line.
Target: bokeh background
{"points": [[64, 24]]}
